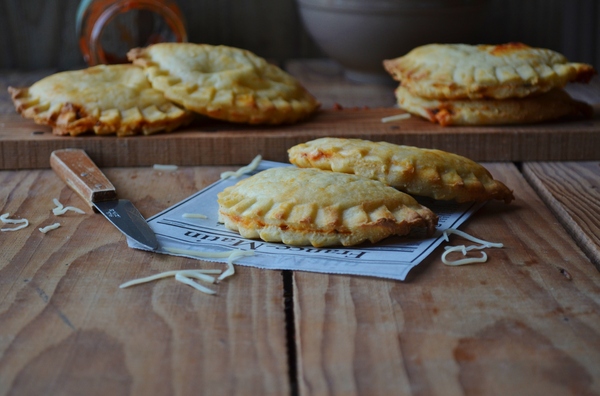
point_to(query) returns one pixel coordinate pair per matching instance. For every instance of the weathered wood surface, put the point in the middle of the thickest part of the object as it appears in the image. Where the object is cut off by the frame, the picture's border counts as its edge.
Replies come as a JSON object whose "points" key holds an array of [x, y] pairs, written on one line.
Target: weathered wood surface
{"points": [[526, 322], [66, 327], [572, 191], [22, 146]]}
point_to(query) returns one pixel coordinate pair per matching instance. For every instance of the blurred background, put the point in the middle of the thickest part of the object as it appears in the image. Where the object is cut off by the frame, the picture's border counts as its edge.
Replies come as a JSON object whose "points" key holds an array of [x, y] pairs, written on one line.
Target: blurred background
{"points": [[40, 34]]}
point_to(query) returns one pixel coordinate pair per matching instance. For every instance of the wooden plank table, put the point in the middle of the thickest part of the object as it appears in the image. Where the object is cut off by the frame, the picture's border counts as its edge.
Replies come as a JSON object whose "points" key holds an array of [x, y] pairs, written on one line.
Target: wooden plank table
{"points": [[525, 322]]}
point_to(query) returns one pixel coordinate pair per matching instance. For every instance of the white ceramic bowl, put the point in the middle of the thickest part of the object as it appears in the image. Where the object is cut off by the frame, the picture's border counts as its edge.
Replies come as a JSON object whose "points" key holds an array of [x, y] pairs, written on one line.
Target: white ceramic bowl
{"points": [[360, 34]]}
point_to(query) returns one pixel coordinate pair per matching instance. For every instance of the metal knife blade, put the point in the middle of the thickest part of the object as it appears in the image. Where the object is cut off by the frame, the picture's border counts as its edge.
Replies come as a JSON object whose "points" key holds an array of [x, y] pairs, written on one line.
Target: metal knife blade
{"points": [[80, 173]]}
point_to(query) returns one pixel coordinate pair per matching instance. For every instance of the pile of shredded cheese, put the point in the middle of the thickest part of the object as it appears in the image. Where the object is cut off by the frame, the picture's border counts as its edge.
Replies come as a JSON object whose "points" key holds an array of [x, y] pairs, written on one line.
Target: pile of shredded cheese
{"points": [[185, 276], [464, 249]]}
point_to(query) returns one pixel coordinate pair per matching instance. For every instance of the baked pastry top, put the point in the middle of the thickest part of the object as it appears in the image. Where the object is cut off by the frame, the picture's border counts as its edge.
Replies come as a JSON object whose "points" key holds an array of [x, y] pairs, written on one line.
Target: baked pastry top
{"points": [[115, 99], [226, 83], [314, 207], [426, 172], [461, 71], [547, 106]]}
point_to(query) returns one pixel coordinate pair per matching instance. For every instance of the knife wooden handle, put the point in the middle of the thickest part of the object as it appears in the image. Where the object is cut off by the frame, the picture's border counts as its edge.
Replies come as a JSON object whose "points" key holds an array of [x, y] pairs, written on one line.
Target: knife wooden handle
{"points": [[80, 173]]}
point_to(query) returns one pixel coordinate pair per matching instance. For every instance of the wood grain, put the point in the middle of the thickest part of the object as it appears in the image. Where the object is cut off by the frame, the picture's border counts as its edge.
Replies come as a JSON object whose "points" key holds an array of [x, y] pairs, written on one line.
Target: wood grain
{"points": [[572, 191], [25, 145], [514, 325], [66, 328]]}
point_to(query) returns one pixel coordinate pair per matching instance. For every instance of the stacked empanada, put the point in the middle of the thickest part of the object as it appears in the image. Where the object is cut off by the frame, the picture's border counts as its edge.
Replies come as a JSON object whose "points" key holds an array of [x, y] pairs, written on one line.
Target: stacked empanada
{"points": [[167, 84], [459, 84], [347, 191], [429, 173], [314, 207]]}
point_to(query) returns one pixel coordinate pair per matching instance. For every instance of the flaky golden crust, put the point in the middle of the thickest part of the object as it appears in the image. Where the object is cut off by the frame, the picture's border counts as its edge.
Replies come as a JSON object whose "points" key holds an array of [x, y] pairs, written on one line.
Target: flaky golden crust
{"points": [[313, 207], [226, 83], [460, 71], [551, 105], [424, 172], [115, 99]]}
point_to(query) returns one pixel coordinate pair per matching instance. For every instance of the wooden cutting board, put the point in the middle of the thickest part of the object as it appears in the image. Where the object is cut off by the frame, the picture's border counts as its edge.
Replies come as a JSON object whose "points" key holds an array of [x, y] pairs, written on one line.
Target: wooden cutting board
{"points": [[25, 145]]}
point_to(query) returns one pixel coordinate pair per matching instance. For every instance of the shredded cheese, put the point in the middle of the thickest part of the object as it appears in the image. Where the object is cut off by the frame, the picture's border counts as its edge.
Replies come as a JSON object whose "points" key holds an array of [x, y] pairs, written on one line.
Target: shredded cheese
{"points": [[464, 249], [243, 170], [194, 216], [200, 254], [184, 279], [165, 167], [4, 218], [230, 269], [398, 117], [230, 255], [181, 276], [463, 234], [203, 275], [61, 210], [468, 260], [49, 228], [167, 274], [200, 274]]}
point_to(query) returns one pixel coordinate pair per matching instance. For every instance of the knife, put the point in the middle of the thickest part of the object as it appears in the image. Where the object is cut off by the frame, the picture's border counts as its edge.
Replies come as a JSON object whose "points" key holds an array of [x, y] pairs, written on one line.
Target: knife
{"points": [[80, 173]]}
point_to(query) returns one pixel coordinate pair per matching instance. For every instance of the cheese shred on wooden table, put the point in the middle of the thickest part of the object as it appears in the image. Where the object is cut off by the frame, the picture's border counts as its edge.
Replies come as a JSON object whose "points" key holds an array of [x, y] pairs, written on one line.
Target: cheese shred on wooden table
{"points": [[4, 218], [184, 276], [169, 168], [49, 228], [398, 117], [60, 209], [464, 249]]}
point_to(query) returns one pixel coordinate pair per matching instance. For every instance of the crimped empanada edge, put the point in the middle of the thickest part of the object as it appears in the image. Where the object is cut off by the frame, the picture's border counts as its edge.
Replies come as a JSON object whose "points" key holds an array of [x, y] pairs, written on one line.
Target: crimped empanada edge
{"points": [[250, 109], [490, 188], [74, 119]]}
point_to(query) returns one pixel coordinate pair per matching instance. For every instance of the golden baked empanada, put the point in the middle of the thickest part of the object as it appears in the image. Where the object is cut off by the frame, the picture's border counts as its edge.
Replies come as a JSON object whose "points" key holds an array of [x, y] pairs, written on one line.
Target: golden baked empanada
{"points": [[550, 105], [225, 83], [460, 71], [314, 207], [106, 99], [425, 172]]}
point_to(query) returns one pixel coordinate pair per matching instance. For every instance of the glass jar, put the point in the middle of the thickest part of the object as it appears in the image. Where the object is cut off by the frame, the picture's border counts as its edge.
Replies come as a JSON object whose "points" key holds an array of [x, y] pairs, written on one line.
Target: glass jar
{"points": [[108, 29]]}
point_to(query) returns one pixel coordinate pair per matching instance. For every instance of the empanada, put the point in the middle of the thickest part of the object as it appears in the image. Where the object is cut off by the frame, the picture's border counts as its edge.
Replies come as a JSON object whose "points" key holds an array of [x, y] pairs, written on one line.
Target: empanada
{"points": [[431, 173], [225, 83], [314, 207], [551, 105], [460, 71], [114, 99]]}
